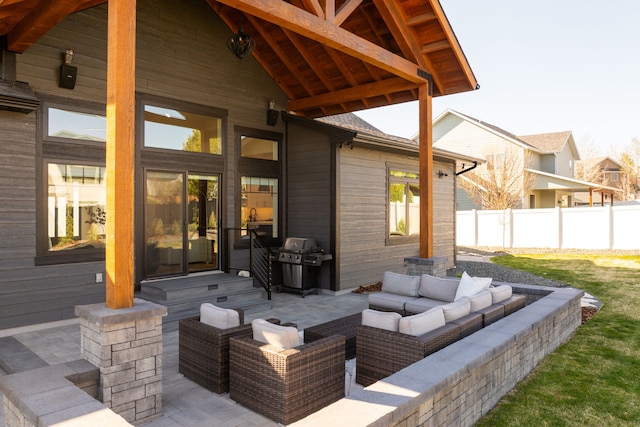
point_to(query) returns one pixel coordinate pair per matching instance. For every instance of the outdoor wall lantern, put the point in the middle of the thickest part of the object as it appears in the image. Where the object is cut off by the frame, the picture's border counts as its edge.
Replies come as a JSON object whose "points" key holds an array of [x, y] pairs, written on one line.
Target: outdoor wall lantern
{"points": [[241, 44], [68, 72], [442, 174], [272, 113]]}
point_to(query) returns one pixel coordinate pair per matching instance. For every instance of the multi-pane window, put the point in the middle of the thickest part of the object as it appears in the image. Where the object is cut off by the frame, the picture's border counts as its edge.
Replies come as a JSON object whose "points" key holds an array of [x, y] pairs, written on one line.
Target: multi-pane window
{"points": [[404, 205], [260, 205]]}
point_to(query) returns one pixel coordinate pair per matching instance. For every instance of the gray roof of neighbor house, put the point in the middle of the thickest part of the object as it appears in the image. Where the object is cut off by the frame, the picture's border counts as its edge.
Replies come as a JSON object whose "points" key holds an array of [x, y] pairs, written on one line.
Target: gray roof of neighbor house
{"points": [[369, 133], [548, 142]]}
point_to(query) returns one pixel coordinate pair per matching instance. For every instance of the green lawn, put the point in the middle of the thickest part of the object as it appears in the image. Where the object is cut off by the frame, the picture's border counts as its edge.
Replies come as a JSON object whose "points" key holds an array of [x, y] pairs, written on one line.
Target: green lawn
{"points": [[594, 378]]}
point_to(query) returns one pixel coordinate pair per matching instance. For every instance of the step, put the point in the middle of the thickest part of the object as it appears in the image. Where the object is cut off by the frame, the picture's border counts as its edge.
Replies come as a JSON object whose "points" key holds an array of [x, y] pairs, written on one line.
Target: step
{"points": [[16, 357], [204, 286]]}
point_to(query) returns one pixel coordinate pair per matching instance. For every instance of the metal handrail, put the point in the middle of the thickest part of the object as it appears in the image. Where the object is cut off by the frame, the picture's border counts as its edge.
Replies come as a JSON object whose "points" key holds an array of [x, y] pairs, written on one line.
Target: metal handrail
{"points": [[260, 257]]}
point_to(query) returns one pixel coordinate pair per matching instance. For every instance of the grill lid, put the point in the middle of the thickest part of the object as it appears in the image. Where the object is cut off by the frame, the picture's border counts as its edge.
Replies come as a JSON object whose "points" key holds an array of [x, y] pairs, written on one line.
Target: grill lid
{"points": [[299, 244]]}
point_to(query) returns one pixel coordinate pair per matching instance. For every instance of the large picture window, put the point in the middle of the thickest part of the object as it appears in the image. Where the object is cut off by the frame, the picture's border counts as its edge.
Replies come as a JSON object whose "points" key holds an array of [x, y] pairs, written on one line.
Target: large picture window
{"points": [[404, 206], [76, 202]]}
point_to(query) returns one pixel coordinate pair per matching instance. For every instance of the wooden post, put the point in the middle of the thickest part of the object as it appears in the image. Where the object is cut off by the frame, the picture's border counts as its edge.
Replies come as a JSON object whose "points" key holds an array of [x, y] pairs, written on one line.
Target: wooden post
{"points": [[426, 170], [121, 40]]}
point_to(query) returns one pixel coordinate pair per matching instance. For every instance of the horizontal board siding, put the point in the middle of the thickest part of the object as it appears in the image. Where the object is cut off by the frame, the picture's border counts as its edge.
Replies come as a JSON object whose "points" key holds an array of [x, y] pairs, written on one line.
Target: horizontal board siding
{"points": [[364, 254]]}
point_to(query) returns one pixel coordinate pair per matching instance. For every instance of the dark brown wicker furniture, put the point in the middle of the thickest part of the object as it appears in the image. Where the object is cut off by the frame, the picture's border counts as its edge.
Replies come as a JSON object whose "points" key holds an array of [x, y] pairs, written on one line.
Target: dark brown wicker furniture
{"points": [[203, 352], [345, 326], [380, 353], [515, 303], [286, 385]]}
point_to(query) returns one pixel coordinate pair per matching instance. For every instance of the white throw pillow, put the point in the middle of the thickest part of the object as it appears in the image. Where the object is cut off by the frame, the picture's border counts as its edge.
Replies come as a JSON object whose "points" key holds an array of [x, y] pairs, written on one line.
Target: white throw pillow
{"points": [[387, 320], [472, 285], [218, 317], [400, 284], [421, 323], [481, 300], [457, 309], [276, 335], [500, 293]]}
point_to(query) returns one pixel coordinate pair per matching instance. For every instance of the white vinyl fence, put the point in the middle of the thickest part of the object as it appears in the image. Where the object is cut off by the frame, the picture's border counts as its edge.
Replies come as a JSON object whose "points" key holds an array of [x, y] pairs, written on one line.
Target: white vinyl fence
{"points": [[607, 227]]}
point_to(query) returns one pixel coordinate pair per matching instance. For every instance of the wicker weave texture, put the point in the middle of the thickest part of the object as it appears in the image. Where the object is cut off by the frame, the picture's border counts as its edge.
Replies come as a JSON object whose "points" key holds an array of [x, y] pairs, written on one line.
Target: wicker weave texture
{"points": [[203, 352], [345, 326], [491, 314], [287, 385], [513, 304], [469, 324], [380, 353]]}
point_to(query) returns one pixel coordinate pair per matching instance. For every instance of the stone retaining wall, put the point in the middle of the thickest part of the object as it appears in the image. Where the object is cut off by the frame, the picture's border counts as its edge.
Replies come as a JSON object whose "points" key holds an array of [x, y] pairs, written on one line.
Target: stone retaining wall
{"points": [[462, 382]]}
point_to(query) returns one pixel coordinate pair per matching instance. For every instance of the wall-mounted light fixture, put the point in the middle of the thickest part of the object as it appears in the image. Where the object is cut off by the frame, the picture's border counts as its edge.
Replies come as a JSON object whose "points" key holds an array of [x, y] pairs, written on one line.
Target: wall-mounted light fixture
{"points": [[68, 72], [241, 44], [272, 113], [442, 174], [348, 144]]}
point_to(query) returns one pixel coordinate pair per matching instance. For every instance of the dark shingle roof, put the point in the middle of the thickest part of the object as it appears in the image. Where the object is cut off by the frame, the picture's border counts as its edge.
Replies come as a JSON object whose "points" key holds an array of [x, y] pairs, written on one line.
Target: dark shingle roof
{"points": [[548, 142]]}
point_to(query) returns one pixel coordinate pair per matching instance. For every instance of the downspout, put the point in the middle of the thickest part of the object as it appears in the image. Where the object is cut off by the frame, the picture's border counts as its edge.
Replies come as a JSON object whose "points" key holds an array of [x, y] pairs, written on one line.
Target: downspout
{"points": [[475, 165]]}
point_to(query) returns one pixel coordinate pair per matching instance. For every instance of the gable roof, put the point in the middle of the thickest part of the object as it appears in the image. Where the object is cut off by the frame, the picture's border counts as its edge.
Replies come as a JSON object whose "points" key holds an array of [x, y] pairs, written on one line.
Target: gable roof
{"points": [[328, 57], [548, 143]]}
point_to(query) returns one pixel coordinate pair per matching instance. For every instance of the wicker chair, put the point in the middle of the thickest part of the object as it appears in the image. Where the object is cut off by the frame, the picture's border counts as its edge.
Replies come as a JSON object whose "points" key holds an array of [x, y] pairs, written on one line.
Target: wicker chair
{"points": [[287, 385], [380, 353], [203, 352]]}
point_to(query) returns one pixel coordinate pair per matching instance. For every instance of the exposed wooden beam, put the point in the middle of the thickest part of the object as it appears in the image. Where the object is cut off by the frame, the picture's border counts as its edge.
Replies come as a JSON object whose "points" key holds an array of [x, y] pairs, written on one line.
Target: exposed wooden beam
{"points": [[421, 19], [352, 94], [121, 77], [345, 11], [38, 22], [435, 46], [425, 117], [395, 19], [308, 25], [313, 6]]}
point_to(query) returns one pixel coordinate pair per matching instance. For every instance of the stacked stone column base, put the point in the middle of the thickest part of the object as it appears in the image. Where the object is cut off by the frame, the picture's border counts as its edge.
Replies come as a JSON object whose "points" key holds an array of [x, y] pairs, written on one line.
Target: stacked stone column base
{"points": [[436, 266], [126, 345]]}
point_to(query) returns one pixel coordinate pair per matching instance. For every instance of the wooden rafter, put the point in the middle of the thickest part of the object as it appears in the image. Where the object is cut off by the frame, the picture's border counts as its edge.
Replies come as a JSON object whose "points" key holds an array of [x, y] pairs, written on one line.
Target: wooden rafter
{"points": [[352, 94], [40, 20], [308, 25], [345, 11], [395, 19]]}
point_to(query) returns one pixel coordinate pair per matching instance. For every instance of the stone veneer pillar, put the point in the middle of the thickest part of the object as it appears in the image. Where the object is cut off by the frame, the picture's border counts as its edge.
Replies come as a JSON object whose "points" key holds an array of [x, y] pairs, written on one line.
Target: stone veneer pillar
{"points": [[436, 266], [126, 345]]}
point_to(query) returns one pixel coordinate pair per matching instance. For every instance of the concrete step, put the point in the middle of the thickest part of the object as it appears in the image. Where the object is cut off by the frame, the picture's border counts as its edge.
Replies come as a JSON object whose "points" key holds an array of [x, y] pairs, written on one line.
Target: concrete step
{"points": [[183, 295]]}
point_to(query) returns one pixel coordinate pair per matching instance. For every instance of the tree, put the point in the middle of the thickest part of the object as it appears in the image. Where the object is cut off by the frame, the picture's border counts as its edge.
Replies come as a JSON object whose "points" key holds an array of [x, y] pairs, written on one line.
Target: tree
{"points": [[503, 182]]}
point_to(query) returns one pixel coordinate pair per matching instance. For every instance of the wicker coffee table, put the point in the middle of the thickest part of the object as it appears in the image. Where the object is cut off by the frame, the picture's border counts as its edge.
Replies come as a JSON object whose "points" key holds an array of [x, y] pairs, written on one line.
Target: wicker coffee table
{"points": [[345, 326]]}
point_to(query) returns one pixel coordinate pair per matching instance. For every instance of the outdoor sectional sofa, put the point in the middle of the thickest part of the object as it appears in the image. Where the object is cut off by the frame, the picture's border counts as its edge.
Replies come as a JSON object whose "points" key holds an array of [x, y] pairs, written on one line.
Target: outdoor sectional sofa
{"points": [[414, 316]]}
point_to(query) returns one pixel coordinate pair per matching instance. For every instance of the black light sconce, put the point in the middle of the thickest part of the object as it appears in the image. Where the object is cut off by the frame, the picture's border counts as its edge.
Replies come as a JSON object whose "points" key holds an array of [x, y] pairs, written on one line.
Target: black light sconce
{"points": [[348, 144], [241, 44], [442, 174], [272, 113], [68, 72]]}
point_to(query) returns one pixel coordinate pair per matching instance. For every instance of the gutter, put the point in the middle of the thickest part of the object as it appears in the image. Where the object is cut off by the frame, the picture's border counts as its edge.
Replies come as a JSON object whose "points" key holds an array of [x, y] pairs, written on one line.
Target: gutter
{"points": [[475, 165]]}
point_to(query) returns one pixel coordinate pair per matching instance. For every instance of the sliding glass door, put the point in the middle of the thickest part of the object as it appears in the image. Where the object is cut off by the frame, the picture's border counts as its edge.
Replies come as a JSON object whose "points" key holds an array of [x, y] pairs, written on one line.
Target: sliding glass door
{"points": [[181, 223]]}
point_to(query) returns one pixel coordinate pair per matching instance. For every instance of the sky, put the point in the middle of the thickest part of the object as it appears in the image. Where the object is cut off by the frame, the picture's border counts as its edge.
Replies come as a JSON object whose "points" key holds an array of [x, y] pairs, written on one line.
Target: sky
{"points": [[543, 66]]}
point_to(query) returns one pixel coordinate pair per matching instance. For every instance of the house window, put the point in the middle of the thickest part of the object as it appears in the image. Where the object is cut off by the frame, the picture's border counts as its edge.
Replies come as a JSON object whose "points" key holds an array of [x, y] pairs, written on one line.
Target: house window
{"points": [[260, 205], [76, 200], [404, 206], [614, 177], [72, 194], [259, 175], [173, 129]]}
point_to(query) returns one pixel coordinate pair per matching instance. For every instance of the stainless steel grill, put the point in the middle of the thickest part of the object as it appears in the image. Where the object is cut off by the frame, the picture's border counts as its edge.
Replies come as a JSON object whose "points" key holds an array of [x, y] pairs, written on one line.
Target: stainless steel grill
{"points": [[300, 258]]}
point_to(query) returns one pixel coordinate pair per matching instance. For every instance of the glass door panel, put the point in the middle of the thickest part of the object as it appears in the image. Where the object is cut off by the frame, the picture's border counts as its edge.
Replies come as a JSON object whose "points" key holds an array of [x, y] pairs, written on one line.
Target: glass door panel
{"points": [[164, 223], [203, 239]]}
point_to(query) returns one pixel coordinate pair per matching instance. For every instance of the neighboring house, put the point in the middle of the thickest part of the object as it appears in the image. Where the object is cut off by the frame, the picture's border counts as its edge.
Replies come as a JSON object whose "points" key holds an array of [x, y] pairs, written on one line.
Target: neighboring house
{"points": [[605, 171], [548, 158], [210, 153]]}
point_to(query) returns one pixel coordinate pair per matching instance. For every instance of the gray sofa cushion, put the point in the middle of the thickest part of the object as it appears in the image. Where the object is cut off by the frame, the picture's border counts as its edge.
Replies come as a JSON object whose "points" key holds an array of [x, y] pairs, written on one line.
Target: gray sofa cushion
{"points": [[390, 301], [419, 305], [400, 284], [443, 289]]}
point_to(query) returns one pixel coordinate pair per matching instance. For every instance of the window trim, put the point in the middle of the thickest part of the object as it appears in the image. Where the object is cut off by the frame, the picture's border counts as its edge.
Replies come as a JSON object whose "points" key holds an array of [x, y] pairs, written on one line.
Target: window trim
{"points": [[64, 151], [398, 240]]}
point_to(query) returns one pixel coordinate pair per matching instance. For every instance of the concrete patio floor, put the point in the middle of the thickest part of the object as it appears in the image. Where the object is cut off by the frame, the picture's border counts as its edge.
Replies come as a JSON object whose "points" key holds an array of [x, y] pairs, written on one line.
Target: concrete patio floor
{"points": [[184, 402]]}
